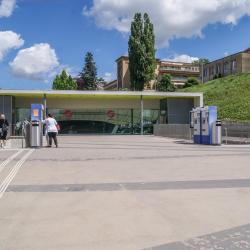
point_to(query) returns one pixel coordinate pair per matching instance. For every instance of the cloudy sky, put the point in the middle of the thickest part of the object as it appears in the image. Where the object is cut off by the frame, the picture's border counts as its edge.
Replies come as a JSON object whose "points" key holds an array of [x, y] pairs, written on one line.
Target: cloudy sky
{"points": [[39, 38]]}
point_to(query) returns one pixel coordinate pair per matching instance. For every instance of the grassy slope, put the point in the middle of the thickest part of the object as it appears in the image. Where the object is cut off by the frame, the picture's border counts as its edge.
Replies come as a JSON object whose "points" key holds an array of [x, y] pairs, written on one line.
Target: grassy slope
{"points": [[231, 94]]}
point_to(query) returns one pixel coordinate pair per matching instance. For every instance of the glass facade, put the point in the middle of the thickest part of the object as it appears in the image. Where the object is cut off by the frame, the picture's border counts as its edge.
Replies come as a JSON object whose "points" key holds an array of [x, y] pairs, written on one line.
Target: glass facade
{"points": [[99, 121]]}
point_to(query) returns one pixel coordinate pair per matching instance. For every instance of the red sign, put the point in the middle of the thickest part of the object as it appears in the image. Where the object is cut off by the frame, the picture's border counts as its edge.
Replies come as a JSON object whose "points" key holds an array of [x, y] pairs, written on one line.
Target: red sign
{"points": [[68, 114], [111, 114]]}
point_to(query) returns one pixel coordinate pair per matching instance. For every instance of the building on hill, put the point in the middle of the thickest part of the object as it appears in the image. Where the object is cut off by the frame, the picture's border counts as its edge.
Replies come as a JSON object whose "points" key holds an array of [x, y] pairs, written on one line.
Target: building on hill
{"points": [[111, 85], [229, 65], [81, 85], [178, 71]]}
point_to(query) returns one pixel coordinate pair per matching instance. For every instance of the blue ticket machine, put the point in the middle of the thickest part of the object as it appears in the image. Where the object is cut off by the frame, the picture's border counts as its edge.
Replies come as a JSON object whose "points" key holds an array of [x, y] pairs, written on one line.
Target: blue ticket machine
{"points": [[203, 121], [36, 127], [195, 123]]}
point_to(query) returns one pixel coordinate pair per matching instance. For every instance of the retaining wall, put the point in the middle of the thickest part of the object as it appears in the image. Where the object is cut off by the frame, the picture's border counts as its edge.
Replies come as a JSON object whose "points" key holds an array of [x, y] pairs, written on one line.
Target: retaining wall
{"points": [[180, 131]]}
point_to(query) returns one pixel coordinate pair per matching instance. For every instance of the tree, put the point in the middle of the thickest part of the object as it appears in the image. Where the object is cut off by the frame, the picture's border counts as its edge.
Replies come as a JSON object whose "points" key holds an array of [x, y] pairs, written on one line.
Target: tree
{"points": [[141, 50], [89, 73], [64, 82], [191, 81], [165, 84], [201, 61]]}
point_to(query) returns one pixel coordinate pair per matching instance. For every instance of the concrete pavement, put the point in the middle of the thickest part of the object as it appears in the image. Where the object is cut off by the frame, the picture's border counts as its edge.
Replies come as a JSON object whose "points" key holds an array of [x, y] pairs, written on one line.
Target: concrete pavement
{"points": [[125, 192]]}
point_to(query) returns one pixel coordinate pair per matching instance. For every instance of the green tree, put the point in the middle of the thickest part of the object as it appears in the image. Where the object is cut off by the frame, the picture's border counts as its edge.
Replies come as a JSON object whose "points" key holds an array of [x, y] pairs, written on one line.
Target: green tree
{"points": [[165, 84], [141, 50], [191, 81], [201, 61], [64, 82], [89, 73]]}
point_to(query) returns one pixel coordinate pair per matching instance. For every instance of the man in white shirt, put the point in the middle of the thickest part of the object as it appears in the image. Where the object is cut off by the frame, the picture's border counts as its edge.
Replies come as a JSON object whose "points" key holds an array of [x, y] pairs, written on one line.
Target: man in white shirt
{"points": [[51, 128]]}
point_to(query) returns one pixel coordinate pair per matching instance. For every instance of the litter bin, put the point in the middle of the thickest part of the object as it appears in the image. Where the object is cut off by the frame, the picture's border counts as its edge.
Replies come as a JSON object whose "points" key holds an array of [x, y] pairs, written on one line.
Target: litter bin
{"points": [[217, 133], [35, 134]]}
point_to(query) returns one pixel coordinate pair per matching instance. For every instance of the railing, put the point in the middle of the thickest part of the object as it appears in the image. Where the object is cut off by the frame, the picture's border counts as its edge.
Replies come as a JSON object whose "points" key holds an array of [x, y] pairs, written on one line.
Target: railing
{"points": [[180, 69], [233, 130]]}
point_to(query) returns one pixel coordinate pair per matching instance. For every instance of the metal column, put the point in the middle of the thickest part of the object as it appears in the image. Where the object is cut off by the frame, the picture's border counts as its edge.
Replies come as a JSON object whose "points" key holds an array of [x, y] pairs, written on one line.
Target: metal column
{"points": [[45, 106], [142, 116], [132, 121]]}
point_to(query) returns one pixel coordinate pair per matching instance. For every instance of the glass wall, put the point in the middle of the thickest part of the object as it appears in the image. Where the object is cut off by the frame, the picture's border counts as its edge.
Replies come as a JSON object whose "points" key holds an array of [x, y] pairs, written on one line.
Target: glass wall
{"points": [[99, 121]]}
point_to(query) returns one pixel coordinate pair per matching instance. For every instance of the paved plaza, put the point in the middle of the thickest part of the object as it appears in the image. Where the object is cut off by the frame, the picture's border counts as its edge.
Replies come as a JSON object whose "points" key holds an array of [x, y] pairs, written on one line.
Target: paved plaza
{"points": [[125, 192]]}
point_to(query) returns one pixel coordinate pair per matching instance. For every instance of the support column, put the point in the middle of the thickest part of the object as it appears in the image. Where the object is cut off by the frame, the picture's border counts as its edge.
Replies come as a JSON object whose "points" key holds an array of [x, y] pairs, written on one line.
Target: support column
{"points": [[45, 105], [202, 73], [142, 116], [132, 121]]}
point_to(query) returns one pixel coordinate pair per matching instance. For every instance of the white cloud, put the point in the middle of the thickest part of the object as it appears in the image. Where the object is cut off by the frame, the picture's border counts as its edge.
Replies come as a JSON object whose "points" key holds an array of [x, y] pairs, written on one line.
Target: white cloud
{"points": [[108, 77], [171, 18], [182, 58], [38, 62], [7, 7], [9, 40]]}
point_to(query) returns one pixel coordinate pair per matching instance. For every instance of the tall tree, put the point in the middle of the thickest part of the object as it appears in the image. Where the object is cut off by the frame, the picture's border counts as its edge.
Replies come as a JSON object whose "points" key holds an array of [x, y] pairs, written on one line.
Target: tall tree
{"points": [[89, 73], [64, 82], [141, 49]]}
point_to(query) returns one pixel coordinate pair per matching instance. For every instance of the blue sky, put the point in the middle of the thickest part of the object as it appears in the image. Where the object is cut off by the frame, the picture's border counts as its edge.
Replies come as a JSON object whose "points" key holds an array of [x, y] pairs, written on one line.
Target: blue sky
{"points": [[68, 34]]}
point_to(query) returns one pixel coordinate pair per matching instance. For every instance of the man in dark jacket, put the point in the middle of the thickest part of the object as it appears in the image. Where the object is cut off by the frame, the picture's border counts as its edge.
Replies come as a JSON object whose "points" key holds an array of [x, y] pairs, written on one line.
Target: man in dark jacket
{"points": [[4, 126]]}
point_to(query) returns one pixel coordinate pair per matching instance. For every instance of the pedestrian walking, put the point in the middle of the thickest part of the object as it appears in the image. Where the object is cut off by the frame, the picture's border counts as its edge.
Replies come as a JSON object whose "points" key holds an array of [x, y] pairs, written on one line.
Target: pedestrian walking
{"points": [[51, 128], [4, 127]]}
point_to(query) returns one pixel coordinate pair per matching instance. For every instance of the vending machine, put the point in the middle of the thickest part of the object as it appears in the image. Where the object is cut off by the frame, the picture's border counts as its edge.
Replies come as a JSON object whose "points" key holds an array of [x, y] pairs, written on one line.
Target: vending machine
{"points": [[195, 124]]}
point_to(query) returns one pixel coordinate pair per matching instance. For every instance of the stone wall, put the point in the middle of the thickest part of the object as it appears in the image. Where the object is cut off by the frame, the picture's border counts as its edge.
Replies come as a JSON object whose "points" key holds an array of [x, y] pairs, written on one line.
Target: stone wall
{"points": [[179, 131]]}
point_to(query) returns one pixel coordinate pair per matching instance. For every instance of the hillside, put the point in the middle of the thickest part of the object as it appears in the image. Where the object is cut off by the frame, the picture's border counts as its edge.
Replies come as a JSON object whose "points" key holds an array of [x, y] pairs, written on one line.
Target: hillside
{"points": [[231, 94]]}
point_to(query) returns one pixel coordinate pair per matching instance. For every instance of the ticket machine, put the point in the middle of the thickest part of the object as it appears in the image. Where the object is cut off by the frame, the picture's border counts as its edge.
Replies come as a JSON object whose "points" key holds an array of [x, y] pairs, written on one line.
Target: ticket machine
{"points": [[196, 125], [36, 127], [203, 121]]}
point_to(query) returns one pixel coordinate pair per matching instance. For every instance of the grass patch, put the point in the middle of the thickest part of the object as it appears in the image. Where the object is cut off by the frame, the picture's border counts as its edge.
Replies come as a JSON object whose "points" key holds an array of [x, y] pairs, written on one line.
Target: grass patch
{"points": [[230, 94]]}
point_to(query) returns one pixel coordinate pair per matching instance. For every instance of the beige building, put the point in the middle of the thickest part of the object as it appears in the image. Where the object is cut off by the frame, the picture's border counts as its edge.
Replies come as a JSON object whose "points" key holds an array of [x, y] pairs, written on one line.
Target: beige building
{"points": [[111, 85], [178, 71], [233, 64]]}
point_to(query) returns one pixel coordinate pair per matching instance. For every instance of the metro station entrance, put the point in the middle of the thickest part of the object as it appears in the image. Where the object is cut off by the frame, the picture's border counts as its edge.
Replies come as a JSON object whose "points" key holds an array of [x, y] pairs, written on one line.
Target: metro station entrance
{"points": [[104, 112]]}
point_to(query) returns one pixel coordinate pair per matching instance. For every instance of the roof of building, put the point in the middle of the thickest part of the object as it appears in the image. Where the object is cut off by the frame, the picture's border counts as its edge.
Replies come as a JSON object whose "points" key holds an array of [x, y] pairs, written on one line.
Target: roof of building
{"points": [[225, 57], [161, 61], [98, 94], [111, 83]]}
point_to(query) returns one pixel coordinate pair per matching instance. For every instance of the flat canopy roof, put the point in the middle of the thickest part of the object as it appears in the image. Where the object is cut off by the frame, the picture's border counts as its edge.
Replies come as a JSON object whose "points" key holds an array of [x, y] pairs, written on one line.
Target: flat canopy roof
{"points": [[99, 94]]}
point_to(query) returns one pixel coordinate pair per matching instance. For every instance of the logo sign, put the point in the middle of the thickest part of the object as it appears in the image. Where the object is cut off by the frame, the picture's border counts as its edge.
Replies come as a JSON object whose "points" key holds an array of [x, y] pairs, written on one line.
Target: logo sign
{"points": [[68, 114], [111, 114]]}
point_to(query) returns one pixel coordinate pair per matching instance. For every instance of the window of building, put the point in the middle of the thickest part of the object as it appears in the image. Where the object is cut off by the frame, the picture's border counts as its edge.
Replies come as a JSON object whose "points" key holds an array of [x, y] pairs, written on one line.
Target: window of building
{"points": [[234, 65], [218, 69], [211, 70], [226, 68], [205, 73]]}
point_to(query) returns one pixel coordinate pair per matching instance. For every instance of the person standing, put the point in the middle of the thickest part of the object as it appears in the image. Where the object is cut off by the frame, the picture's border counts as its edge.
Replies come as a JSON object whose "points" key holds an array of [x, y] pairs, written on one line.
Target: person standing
{"points": [[51, 128], [4, 127]]}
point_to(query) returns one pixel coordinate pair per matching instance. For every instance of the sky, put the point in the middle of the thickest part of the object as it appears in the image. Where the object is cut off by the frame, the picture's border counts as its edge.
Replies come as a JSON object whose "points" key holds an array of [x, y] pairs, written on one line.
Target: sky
{"points": [[40, 38]]}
